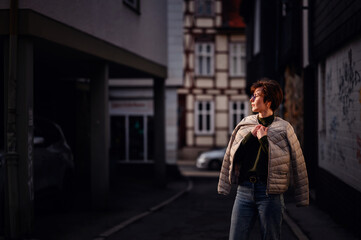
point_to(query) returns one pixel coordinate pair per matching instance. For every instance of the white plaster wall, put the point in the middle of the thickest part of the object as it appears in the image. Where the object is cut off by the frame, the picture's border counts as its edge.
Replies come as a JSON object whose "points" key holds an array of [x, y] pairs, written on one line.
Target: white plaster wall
{"points": [[171, 106], [218, 21], [189, 102], [204, 83], [221, 43], [221, 80], [112, 21], [222, 61], [187, 80], [175, 75], [190, 120], [238, 38], [238, 83], [204, 141], [175, 43], [221, 120], [191, 60], [218, 8], [204, 22], [222, 138], [340, 116], [221, 102], [190, 140]]}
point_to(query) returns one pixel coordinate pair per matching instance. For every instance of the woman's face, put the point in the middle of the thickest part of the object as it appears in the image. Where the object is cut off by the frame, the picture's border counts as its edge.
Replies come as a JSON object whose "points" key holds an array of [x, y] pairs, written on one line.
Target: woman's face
{"points": [[257, 103]]}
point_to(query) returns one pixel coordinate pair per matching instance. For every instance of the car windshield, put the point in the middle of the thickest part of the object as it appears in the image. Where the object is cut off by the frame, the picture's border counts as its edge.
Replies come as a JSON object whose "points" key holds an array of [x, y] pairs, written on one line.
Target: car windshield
{"points": [[46, 130]]}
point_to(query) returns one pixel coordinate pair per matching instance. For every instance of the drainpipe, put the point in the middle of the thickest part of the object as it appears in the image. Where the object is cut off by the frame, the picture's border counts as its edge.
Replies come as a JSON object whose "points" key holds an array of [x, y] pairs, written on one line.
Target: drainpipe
{"points": [[12, 221]]}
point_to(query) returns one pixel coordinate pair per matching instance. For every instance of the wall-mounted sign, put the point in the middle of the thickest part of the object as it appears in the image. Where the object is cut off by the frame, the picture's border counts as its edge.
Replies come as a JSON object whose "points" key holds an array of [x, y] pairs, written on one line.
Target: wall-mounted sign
{"points": [[131, 107]]}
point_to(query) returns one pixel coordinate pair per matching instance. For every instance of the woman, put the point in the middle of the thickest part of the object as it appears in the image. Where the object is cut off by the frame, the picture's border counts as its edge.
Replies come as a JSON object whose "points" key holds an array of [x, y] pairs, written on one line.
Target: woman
{"points": [[262, 154]]}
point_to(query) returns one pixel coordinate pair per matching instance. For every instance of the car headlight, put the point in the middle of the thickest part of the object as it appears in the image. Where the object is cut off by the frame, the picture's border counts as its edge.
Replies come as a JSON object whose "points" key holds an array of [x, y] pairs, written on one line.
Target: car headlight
{"points": [[202, 159]]}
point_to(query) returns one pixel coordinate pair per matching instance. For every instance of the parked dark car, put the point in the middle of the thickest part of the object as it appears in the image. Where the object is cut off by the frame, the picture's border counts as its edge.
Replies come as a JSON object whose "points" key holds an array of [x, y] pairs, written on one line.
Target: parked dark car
{"points": [[53, 158], [211, 160], [53, 162]]}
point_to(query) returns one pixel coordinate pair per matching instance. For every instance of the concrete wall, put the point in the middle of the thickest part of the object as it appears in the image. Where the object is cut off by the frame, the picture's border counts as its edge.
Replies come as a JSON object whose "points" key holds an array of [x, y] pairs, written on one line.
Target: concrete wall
{"points": [[112, 21], [175, 43], [339, 120], [175, 76], [171, 132]]}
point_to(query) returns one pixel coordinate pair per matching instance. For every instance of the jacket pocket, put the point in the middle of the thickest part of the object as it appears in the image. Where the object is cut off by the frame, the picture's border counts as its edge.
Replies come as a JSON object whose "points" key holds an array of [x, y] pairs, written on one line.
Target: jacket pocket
{"points": [[280, 178], [280, 174]]}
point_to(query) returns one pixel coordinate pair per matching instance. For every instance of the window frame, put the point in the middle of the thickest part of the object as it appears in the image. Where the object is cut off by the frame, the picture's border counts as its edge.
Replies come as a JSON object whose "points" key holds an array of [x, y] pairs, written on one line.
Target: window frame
{"points": [[197, 3], [204, 54], [238, 111], [240, 55], [204, 112], [148, 153]]}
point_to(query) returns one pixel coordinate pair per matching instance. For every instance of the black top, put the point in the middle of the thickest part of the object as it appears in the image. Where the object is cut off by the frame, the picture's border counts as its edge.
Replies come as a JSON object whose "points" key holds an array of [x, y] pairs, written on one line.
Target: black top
{"points": [[253, 153]]}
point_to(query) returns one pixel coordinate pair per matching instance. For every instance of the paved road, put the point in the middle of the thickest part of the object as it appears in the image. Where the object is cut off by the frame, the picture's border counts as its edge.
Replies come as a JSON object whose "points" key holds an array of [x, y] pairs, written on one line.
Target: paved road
{"points": [[200, 214]]}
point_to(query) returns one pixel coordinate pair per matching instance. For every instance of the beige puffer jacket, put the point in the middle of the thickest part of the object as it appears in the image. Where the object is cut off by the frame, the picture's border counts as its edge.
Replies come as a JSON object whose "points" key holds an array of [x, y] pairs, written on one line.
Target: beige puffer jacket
{"points": [[285, 158]]}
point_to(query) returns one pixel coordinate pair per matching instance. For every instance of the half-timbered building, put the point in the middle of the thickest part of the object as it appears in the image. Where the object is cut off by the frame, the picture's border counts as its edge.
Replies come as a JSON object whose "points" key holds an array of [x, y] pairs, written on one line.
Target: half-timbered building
{"points": [[213, 99]]}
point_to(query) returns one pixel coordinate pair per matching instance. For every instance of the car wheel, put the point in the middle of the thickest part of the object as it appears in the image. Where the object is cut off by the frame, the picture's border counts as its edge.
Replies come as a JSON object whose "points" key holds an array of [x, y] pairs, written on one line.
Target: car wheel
{"points": [[215, 165]]}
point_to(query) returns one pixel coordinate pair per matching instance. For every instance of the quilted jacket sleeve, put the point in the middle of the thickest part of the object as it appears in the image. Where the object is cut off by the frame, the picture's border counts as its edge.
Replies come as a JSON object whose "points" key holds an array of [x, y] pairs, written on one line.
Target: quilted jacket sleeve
{"points": [[298, 169], [224, 183]]}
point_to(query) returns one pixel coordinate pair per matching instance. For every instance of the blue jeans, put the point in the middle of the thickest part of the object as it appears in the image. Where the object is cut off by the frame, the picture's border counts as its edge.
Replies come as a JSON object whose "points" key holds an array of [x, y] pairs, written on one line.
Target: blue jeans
{"points": [[252, 201]]}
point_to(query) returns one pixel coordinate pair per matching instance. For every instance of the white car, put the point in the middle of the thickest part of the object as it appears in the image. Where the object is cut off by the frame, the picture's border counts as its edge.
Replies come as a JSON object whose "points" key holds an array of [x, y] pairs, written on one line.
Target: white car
{"points": [[211, 159]]}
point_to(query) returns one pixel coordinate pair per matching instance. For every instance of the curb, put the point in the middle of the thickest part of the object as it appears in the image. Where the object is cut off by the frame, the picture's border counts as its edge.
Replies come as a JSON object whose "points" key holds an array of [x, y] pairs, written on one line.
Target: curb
{"points": [[294, 227], [151, 210]]}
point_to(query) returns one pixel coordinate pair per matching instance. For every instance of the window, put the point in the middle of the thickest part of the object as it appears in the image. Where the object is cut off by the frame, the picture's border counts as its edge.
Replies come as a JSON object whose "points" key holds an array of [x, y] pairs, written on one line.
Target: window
{"points": [[204, 117], [131, 138], [237, 111], [133, 4], [204, 54], [204, 8], [237, 59]]}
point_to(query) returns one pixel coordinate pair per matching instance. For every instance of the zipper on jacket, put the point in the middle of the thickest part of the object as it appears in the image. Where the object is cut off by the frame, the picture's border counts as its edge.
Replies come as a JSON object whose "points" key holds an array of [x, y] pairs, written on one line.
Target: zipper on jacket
{"points": [[269, 163]]}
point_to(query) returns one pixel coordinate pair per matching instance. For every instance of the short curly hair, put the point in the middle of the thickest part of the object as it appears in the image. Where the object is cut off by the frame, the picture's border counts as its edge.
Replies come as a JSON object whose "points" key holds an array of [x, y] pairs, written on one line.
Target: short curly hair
{"points": [[272, 91]]}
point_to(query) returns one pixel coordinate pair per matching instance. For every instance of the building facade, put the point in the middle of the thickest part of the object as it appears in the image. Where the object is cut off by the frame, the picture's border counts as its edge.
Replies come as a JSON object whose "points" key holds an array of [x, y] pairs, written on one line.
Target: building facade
{"points": [[131, 116], [336, 59], [131, 107], [314, 51], [57, 58], [213, 98]]}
